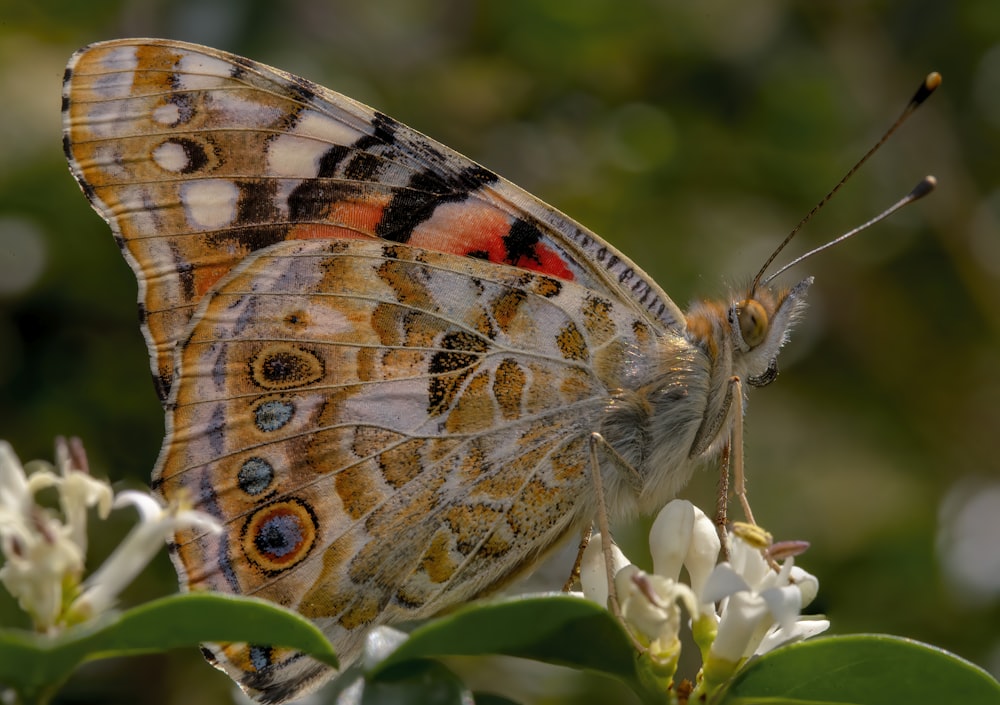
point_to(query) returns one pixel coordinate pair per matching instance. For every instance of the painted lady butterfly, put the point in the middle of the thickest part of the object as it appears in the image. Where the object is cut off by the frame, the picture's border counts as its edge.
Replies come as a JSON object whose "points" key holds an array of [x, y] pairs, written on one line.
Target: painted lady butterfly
{"points": [[381, 363]]}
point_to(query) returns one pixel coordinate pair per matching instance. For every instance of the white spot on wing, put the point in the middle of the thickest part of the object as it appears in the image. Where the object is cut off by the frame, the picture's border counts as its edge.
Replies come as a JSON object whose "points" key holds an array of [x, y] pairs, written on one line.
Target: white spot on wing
{"points": [[113, 86], [293, 156], [210, 204], [108, 159], [322, 127], [106, 119], [167, 114], [158, 250], [171, 156], [121, 58], [121, 62], [245, 113], [198, 72], [143, 224], [285, 189], [135, 213], [297, 153]]}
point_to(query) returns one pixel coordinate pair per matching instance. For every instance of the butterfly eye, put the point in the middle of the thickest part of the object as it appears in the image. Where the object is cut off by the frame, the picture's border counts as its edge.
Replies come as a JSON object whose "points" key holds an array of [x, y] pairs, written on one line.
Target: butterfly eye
{"points": [[753, 322]]}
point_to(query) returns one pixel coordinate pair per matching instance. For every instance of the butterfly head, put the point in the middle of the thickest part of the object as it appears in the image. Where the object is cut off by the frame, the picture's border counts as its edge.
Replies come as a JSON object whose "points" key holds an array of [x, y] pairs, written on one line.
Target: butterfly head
{"points": [[760, 324], [749, 330]]}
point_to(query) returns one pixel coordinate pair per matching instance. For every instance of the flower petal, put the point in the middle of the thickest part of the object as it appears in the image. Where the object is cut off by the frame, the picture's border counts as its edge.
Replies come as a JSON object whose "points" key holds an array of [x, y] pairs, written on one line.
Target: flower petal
{"points": [[721, 583], [748, 562], [148, 507], [802, 629], [703, 551], [157, 524], [743, 617], [670, 538], [593, 576], [13, 481], [807, 583], [784, 604], [380, 642]]}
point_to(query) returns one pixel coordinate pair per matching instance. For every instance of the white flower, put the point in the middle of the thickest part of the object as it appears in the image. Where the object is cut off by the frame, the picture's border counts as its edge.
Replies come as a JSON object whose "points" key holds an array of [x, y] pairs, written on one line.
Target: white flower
{"points": [[17, 489], [78, 490], [156, 525], [44, 553], [651, 604], [681, 536], [593, 575], [380, 642], [803, 628], [758, 604], [41, 559]]}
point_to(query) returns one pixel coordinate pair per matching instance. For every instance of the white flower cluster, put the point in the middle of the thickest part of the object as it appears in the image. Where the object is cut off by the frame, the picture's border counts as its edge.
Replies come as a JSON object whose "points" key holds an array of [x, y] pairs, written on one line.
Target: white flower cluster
{"points": [[758, 605], [44, 550]]}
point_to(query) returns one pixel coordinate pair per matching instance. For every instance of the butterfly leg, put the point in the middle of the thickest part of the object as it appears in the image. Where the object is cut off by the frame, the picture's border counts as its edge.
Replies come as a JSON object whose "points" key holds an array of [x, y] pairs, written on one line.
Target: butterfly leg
{"points": [[597, 442], [603, 524], [722, 501], [732, 454], [634, 480], [711, 426], [732, 457], [574, 576], [736, 443]]}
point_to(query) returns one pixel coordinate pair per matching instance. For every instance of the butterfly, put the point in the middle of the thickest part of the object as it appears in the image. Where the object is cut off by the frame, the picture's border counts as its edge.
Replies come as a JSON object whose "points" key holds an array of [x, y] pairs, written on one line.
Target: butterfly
{"points": [[382, 365]]}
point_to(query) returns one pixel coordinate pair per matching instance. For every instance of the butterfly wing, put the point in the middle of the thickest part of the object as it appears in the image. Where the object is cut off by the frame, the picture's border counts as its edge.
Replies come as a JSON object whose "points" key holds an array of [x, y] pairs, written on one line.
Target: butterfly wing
{"points": [[197, 158], [384, 431]]}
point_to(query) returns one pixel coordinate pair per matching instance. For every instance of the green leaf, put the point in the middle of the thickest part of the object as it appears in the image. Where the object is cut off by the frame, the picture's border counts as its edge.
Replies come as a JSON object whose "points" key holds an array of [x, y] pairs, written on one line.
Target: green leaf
{"points": [[558, 629], [34, 663], [415, 683], [865, 669]]}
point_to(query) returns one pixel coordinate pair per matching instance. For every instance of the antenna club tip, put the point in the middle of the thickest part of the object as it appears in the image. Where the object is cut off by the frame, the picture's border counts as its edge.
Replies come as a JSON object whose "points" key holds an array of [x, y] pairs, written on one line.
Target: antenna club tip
{"points": [[930, 84], [925, 186]]}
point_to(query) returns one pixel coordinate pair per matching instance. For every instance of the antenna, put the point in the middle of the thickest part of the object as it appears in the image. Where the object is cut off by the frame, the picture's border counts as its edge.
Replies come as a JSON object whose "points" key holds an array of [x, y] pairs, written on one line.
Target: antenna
{"points": [[925, 186], [930, 83]]}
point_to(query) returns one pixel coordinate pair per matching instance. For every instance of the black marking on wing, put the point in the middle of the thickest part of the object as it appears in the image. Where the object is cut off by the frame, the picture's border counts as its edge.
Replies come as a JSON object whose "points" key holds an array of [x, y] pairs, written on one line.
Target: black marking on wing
{"points": [[426, 191], [522, 241]]}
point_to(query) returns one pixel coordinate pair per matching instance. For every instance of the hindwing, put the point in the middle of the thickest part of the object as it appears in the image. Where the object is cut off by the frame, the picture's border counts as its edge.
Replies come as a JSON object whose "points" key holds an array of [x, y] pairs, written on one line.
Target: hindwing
{"points": [[384, 431]]}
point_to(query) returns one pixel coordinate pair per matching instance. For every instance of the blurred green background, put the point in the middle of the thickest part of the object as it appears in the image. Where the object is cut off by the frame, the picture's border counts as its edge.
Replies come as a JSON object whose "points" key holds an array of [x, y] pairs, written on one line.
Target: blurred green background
{"points": [[690, 135]]}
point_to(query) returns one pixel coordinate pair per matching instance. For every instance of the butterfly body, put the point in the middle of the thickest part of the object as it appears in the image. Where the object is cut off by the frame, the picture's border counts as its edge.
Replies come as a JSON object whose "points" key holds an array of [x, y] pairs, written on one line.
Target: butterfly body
{"points": [[381, 364]]}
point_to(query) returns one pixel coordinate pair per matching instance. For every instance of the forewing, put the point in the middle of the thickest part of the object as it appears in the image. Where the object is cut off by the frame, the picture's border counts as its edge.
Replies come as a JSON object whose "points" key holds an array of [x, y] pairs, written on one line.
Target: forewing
{"points": [[384, 431], [197, 158]]}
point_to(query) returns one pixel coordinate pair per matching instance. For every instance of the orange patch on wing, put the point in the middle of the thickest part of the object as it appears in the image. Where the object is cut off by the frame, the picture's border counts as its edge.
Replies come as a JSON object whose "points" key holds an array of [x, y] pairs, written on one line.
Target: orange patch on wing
{"points": [[547, 261], [464, 228], [357, 490], [364, 611], [363, 216], [205, 277], [314, 231], [476, 229], [437, 560], [571, 343], [160, 63], [345, 219]]}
